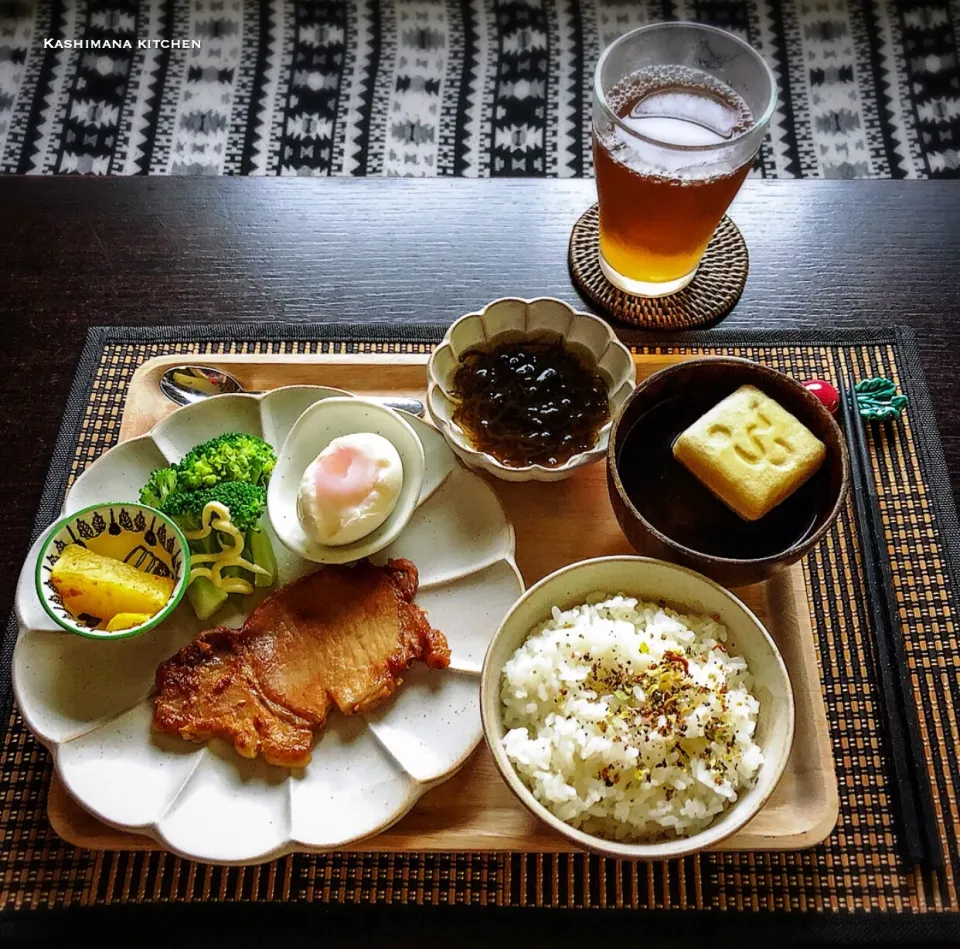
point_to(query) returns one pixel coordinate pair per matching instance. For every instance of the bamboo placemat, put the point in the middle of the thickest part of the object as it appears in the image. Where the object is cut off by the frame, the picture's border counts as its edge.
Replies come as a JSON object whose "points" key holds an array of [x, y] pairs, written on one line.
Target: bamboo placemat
{"points": [[857, 873]]}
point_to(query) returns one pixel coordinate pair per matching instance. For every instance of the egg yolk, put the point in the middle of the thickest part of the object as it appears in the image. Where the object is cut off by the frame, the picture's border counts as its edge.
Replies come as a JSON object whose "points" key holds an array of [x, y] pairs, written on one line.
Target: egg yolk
{"points": [[346, 475]]}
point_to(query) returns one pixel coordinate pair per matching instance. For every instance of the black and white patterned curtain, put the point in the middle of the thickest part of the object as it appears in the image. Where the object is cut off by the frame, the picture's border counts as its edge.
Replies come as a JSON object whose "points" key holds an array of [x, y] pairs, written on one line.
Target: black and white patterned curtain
{"points": [[868, 88]]}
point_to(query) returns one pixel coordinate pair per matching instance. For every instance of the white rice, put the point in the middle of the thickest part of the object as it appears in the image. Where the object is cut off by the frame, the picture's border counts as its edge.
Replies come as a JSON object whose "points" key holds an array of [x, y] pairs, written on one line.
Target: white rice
{"points": [[629, 720]]}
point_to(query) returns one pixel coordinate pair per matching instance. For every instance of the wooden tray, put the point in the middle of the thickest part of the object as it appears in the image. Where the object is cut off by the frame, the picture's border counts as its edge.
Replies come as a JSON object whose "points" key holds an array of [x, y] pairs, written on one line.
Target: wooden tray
{"points": [[474, 810]]}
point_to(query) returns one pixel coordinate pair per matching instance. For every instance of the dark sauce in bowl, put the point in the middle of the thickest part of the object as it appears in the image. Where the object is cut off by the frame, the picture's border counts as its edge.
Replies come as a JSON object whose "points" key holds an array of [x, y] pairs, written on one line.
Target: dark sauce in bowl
{"points": [[529, 402], [678, 505]]}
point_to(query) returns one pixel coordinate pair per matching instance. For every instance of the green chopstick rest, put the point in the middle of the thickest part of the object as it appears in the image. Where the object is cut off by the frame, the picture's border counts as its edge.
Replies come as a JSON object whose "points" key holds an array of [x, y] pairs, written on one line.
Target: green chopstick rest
{"points": [[878, 400]]}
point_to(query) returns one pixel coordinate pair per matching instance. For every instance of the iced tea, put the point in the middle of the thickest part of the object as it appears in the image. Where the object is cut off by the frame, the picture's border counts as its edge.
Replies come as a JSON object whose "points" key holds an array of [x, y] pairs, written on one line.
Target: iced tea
{"points": [[680, 110], [655, 225]]}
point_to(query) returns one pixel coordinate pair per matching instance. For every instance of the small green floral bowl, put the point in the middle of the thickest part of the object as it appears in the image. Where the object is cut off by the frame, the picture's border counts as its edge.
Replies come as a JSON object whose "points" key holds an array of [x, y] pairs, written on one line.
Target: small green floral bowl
{"points": [[133, 533]]}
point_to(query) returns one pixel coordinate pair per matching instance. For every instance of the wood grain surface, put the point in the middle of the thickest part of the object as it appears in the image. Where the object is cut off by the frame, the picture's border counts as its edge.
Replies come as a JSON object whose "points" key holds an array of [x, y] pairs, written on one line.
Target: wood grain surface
{"points": [[555, 524]]}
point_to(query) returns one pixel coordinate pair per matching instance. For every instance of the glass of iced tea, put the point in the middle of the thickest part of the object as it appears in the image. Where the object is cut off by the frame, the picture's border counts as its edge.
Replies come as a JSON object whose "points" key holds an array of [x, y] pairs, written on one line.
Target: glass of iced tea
{"points": [[679, 112]]}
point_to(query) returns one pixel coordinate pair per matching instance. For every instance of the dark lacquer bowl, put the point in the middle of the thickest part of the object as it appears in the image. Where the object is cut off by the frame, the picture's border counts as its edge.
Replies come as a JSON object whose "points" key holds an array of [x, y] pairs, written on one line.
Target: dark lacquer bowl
{"points": [[667, 513]]}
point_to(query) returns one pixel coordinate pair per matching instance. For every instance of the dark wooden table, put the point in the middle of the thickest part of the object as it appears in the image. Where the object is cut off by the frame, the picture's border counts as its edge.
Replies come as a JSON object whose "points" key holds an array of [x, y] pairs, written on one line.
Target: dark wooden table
{"points": [[79, 252]]}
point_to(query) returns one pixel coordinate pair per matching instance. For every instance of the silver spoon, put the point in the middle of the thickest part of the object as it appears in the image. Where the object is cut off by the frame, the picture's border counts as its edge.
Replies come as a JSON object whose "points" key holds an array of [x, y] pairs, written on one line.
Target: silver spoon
{"points": [[187, 384]]}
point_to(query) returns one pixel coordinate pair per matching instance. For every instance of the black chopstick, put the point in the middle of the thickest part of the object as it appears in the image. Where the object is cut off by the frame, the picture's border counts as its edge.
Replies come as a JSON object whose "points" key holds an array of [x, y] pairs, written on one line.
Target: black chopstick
{"points": [[914, 795]]}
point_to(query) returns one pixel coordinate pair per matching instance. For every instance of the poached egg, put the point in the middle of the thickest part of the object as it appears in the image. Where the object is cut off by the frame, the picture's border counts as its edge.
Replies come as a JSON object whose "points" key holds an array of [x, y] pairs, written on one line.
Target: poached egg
{"points": [[349, 489]]}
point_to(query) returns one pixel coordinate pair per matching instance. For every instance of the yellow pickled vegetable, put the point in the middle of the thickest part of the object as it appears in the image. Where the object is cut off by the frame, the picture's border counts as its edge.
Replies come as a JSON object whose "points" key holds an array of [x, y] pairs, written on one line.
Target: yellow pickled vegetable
{"points": [[126, 621], [103, 587]]}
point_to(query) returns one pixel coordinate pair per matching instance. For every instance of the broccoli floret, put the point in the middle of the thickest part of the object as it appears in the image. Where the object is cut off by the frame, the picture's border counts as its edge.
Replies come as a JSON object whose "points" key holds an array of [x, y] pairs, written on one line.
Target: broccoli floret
{"points": [[245, 501], [230, 457], [162, 482]]}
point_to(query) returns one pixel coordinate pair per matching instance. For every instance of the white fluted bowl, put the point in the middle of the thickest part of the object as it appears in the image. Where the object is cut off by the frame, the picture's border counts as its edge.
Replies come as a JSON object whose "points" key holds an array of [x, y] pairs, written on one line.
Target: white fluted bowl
{"points": [[509, 319]]}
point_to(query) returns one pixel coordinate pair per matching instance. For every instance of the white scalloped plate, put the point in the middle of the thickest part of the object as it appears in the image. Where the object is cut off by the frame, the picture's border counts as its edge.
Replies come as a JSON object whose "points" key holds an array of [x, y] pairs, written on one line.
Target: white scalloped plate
{"points": [[90, 703]]}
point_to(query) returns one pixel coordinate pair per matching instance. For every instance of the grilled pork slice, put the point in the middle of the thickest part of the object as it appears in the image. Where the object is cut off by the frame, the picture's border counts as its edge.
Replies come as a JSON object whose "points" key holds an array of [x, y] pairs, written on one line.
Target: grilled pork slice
{"points": [[338, 637]]}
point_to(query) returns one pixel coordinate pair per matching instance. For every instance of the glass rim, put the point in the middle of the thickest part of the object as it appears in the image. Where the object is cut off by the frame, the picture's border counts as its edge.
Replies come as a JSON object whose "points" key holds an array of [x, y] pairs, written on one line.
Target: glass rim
{"points": [[758, 123]]}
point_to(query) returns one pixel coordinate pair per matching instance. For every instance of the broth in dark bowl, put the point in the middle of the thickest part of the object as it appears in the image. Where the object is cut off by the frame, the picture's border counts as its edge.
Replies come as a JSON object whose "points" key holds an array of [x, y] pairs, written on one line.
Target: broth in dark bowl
{"points": [[668, 513], [679, 505]]}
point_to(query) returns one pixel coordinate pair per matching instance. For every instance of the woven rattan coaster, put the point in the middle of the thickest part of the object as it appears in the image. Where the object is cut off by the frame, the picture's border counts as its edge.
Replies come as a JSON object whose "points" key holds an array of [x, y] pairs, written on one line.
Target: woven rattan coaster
{"points": [[710, 296]]}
